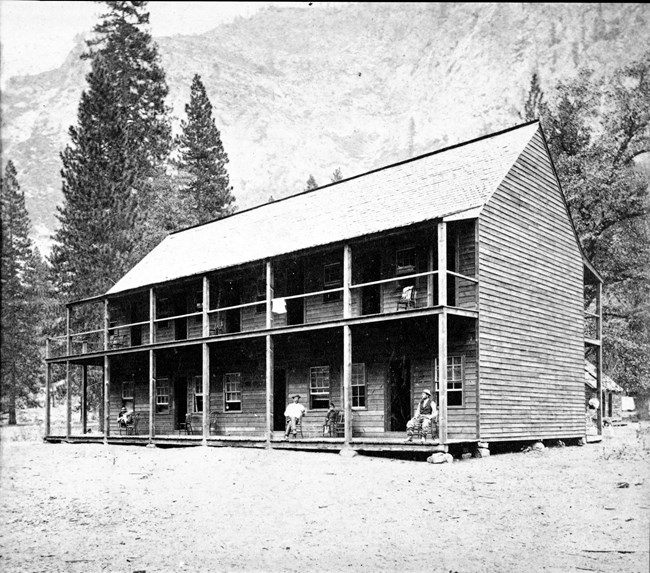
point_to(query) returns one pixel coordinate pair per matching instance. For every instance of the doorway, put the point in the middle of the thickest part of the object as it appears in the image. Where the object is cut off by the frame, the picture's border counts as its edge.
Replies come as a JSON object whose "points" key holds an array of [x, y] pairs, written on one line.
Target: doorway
{"points": [[295, 285], [399, 388], [180, 399], [279, 398]]}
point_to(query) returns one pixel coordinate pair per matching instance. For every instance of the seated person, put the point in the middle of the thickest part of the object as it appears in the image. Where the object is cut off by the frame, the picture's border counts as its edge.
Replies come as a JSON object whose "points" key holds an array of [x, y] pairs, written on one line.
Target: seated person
{"points": [[329, 427], [125, 417], [293, 413], [425, 414]]}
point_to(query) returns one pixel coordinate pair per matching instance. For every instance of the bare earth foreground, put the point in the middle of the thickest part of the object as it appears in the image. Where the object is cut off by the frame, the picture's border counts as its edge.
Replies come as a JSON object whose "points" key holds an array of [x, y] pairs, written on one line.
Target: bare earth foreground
{"points": [[86, 508]]}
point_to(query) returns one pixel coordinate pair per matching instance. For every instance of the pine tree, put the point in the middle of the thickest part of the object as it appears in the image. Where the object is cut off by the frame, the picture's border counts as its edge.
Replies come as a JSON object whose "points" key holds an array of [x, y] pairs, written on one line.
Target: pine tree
{"points": [[337, 175], [119, 143], [535, 106], [21, 340], [311, 183], [203, 157]]}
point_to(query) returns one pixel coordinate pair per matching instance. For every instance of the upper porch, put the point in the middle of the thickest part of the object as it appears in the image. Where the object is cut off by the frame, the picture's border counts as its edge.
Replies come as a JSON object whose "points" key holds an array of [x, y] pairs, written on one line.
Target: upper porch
{"points": [[374, 278]]}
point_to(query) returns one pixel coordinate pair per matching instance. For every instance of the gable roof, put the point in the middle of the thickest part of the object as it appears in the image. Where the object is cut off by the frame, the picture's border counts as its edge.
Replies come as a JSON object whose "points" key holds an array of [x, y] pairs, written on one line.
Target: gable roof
{"points": [[606, 381], [447, 182]]}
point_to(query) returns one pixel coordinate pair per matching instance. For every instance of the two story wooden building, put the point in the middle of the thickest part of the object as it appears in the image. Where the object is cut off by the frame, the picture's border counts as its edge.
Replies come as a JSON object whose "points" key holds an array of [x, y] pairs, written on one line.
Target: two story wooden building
{"points": [[458, 271]]}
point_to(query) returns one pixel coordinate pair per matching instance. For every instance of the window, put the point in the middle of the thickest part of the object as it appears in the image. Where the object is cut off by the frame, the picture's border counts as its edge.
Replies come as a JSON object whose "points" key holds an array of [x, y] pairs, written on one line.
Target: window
{"points": [[128, 390], [405, 261], [232, 392], [162, 395], [319, 387], [332, 278], [197, 391], [358, 385], [454, 380]]}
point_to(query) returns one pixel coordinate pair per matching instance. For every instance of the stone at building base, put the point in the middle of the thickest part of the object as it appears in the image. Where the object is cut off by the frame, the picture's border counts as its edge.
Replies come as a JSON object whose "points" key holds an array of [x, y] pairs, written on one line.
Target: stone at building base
{"points": [[538, 446], [440, 458], [348, 453], [482, 453]]}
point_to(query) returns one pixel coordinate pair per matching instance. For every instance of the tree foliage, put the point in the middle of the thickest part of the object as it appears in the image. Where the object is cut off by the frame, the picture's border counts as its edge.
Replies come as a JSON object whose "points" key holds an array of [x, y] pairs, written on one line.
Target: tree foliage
{"points": [[24, 280], [118, 146], [311, 183], [203, 158], [599, 136], [337, 175]]}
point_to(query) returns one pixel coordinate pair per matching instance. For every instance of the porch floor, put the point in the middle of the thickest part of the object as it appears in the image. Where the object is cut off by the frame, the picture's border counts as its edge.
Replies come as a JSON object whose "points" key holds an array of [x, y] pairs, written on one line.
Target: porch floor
{"points": [[385, 444]]}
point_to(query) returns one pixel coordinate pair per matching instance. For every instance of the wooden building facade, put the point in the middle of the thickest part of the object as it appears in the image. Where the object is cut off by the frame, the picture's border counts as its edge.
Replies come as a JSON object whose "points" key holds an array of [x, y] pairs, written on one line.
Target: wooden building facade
{"points": [[458, 271]]}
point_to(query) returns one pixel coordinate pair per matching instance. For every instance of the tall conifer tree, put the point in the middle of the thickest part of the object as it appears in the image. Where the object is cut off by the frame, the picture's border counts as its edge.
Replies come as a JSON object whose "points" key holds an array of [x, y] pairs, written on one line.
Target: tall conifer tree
{"points": [[21, 340], [202, 156], [117, 148]]}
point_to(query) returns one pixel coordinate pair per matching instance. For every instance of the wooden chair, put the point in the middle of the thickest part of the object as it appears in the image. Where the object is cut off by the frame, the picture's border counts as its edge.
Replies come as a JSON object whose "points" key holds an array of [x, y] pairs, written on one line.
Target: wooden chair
{"points": [[336, 428], [419, 434], [213, 423], [407, 300], [130, 428], [298, 426], [186, 426]]}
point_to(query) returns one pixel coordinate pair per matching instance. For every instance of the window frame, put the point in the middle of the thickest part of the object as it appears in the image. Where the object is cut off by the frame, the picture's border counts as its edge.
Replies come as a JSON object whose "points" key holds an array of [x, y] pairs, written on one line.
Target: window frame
{"points": [[455, 386], [162, 406], [332, 282], [126, 396], [197, 382], [322, 397], [364, 385], [227, 381], [402, 269]]}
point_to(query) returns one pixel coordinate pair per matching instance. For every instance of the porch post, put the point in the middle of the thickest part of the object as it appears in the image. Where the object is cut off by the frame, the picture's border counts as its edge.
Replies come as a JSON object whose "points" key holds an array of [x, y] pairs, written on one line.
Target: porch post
{"points": [[84, 398], [430, 278], [152, 395], [442, 331], [68, 381], [347, 343], [205, 378], [599, 358], [152, 366], [270, 357], [68, 400], [107, 398], [106, 324], [48, 377], [205, 374]]}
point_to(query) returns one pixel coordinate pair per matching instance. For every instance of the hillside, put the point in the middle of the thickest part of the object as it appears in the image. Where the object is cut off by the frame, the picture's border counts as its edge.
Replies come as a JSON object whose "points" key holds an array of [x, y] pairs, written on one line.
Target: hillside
{"points": [[303, 91]]}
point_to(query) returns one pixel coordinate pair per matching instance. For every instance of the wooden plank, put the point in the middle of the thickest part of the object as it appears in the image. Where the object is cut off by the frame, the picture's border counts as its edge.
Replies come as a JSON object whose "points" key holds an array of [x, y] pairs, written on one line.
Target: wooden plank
{"points": [[530, 296], [68, 400], [347, 382], [270, 384], [107, 396]]}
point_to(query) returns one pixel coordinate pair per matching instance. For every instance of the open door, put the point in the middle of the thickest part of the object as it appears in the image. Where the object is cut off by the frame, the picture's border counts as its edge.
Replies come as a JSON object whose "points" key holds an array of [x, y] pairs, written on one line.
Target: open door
{"points": [[279, 398], [180, 398], [399, 394]]}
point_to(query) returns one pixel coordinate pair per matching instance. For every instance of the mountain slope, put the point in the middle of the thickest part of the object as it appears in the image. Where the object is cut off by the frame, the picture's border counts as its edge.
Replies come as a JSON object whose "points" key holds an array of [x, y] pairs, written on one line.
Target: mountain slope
{"points": [[303, 91]]}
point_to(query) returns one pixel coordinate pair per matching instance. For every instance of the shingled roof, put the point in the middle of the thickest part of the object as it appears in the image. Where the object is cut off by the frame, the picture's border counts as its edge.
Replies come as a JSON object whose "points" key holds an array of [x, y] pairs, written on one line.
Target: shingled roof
{"points": [[450, 181]]}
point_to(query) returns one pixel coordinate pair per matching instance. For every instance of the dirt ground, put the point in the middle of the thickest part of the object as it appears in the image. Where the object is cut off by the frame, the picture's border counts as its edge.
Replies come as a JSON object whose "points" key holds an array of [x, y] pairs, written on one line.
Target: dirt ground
{"points": [[87, 508]]}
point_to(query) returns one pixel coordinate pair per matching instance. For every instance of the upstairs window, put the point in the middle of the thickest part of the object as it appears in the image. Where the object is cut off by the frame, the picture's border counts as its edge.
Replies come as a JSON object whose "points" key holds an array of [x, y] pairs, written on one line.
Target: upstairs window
{"points": [[332, 278], [405, 261], [319, 387]]}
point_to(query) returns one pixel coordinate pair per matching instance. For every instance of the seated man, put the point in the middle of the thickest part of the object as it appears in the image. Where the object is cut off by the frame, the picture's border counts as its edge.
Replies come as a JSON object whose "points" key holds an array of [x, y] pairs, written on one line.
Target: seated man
{"points": [[293, 413], [425, 413], [329, 427]]}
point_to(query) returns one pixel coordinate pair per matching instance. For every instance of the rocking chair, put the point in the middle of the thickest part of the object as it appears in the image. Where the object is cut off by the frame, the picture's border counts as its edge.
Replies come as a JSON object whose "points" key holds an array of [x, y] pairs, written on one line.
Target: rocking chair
{"points": [[407, 300]]}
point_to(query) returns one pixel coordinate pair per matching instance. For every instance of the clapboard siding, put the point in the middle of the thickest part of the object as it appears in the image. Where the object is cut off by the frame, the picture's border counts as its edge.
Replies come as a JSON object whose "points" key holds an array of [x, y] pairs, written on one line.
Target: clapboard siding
{"points": [[531, 300]]}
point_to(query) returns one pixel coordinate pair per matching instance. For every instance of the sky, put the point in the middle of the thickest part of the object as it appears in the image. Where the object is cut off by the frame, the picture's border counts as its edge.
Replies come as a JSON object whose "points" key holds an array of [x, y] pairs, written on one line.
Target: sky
{"points": [[37, 36]]}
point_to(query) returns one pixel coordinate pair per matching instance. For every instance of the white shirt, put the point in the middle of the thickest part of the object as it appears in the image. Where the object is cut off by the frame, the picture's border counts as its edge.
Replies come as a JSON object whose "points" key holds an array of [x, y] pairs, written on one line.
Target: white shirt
{"points": [[294, 410]]}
